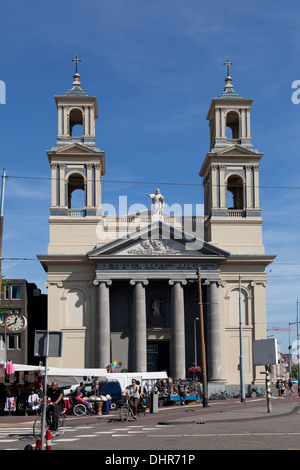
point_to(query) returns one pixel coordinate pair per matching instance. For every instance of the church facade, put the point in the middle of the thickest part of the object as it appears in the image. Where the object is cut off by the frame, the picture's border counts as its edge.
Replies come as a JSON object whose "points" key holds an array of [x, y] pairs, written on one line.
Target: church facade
{"points": [[126, 289]]}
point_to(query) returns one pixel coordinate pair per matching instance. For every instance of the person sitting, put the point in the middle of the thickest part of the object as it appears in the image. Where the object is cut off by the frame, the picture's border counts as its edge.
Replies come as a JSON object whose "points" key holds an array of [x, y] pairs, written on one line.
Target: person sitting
{"points": [[85, 402]]}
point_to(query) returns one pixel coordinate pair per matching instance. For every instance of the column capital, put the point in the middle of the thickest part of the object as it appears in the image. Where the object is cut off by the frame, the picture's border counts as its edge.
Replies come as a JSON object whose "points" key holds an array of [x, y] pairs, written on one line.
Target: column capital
{"points": [[181, 281], [208, 282], [108, 282], [133, 282]]}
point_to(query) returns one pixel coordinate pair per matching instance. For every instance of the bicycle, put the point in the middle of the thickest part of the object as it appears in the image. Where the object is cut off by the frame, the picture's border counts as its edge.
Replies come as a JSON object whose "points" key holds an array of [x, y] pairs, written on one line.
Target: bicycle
{"points": [[37, 425], [220, 395], [126, 410]]}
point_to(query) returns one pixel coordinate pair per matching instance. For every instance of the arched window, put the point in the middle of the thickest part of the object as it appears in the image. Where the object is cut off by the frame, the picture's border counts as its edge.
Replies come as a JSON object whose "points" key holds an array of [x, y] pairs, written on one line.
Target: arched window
{"points": [[232, 125], [75, 123], [76, 194], [235, 192]]}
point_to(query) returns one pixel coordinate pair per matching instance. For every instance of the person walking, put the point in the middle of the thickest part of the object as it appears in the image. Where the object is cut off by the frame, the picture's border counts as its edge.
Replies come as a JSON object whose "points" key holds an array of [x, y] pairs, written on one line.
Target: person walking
{"points": [[181, 388]]}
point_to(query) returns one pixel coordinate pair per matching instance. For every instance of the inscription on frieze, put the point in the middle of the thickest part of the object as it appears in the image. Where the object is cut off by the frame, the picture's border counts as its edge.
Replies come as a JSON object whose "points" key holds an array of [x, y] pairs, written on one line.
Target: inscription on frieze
{"points": [[155, 266]]}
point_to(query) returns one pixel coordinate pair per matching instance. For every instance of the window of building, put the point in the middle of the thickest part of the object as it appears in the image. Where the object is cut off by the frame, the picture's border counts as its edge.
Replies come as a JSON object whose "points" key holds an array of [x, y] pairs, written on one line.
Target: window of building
{"points": [[13, 342], [16, 292], [76, 194], [235, 192], [5, 292], [232, 125], [76, 123]]}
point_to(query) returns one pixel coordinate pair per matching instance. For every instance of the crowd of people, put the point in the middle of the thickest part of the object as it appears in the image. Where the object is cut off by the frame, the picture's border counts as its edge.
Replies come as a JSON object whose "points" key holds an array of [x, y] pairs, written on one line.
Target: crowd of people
{"points": [[282, 385], [20, 398], [139, 394]]}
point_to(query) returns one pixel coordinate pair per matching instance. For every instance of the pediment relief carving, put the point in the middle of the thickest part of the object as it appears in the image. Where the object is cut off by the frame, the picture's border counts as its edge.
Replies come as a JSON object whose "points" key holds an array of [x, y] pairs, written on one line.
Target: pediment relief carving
{"points": [[153, 247]]}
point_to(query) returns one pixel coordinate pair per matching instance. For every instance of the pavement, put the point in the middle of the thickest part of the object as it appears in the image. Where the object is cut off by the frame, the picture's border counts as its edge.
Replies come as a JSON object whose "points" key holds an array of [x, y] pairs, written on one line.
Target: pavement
{"points": [[229, 410]]}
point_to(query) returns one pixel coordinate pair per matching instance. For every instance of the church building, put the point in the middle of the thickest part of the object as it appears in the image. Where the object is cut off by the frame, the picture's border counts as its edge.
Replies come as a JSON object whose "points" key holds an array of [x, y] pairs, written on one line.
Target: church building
{"points": [[125, 288]]}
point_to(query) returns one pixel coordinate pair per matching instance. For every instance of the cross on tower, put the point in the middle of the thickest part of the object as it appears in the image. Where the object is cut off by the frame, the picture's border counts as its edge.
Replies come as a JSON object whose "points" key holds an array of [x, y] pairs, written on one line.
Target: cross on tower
{"points": [[228, 64], [76, 60]]}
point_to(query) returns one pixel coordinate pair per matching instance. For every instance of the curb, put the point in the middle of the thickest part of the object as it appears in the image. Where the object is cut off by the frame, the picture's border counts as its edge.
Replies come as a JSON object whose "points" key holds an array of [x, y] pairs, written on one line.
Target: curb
{"points": [[203, 421]]}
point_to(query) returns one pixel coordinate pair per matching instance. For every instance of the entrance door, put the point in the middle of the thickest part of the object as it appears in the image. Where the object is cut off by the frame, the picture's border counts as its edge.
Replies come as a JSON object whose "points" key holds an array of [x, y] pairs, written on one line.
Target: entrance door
{"points": [[158, 356]]}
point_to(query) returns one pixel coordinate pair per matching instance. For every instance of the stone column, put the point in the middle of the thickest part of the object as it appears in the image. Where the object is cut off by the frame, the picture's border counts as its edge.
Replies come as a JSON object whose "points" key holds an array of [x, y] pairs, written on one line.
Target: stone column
{"points": [[214, 364], [214, 187], [98, 181], [103, 324], [256, 186], [139, 326], [62, 186], [249, 200], [178, 365], [86, 120], [53, 184], [222, 186], [60, 118], [89, 185]]}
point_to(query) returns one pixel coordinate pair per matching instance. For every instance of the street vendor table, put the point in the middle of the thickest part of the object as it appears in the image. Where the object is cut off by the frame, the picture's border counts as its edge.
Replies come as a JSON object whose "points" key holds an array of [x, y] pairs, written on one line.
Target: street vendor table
{"points": [[174, 398]]}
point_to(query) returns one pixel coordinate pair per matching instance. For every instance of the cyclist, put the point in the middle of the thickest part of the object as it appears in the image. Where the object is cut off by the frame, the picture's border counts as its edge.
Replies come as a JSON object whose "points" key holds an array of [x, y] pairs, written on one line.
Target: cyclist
{"points": [[56, 396], [133, 391]]}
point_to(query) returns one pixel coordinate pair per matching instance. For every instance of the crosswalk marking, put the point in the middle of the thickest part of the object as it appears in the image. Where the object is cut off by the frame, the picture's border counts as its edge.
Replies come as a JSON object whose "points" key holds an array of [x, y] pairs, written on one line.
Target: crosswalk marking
{"points": [[13, 435]]}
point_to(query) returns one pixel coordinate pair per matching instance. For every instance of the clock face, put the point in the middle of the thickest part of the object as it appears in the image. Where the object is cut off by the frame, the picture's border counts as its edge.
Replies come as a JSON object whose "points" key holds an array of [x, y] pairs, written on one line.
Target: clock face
{"points": [[15, 322]]}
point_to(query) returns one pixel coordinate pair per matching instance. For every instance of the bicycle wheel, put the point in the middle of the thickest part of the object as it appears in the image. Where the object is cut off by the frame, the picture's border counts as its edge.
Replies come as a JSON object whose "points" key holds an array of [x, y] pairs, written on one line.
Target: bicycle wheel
{"points": [[79, 410], [61, 425], [141, 411], [124, 414], [37, 428]]}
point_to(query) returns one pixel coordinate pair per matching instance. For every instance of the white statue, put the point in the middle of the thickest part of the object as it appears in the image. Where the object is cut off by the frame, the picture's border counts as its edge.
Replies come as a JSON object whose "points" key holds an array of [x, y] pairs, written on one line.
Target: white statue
{"points": [[158, 203]]}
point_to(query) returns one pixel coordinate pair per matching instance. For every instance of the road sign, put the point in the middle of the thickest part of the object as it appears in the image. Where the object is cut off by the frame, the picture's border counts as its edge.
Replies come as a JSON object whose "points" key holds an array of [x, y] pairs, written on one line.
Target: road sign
{"points": [[265, 352], [54, 346]]}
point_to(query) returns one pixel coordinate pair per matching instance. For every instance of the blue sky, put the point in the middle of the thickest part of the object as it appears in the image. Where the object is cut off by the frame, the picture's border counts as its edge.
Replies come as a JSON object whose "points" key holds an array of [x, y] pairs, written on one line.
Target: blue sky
{"points": [[154, 67]]}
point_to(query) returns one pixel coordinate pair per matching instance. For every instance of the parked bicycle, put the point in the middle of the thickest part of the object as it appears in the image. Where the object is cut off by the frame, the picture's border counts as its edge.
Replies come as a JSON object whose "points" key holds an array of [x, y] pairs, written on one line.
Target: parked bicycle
{"points": [[37, 425], [126, 410], [220, 395], [255, 392]]}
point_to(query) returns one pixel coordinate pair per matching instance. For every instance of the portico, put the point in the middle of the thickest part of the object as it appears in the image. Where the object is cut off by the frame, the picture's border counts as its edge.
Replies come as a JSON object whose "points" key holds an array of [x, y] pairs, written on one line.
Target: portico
{"points": [[169, 272]]}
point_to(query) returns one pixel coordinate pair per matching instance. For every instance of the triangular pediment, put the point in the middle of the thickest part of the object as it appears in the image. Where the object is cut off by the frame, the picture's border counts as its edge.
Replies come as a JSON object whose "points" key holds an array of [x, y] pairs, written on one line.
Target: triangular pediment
{"points": [[158, 240], [74, 148], [237, 150]]}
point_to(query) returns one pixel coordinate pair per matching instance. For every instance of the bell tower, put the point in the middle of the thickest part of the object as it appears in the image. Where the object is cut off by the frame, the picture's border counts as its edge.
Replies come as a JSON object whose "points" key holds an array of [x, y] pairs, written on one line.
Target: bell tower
{"points": [[230, 175], [77, 167]]}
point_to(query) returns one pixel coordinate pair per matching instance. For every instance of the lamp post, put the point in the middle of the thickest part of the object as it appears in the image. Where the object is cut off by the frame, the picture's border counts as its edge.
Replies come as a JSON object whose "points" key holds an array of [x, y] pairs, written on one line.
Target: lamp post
{"points": [[195, 340], [290, 347], [242, 374], [298, 357], [202, 342]]}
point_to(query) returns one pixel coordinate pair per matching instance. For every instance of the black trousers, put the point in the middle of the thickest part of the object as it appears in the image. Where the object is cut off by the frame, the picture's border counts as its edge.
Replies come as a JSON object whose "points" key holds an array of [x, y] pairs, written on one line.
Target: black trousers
{"points": [[55, 411]]}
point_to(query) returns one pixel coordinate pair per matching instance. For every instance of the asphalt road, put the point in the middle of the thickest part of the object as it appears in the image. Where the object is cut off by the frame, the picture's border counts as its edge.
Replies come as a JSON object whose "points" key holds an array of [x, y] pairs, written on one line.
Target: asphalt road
{"points": [[175, 435]]}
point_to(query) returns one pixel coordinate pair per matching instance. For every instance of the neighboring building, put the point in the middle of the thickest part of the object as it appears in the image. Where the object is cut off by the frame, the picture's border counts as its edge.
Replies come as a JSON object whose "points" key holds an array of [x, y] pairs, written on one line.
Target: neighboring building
{"points": [[125, 288], [23, 297]]}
